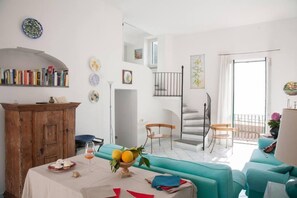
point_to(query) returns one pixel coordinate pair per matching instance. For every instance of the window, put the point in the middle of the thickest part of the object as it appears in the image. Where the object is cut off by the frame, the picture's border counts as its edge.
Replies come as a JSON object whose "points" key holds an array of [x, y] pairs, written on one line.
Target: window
{"points": [[154, 53], [151, 46]]}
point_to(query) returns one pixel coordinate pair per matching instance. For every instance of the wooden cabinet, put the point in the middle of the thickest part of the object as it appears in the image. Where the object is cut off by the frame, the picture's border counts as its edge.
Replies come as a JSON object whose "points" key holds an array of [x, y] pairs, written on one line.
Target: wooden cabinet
{"points": [[35, 134]]}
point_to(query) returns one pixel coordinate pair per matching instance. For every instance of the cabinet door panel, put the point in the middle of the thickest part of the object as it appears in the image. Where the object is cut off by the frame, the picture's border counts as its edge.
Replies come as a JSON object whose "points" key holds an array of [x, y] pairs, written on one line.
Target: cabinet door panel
{"points": [[69, 135], [48, 136]]}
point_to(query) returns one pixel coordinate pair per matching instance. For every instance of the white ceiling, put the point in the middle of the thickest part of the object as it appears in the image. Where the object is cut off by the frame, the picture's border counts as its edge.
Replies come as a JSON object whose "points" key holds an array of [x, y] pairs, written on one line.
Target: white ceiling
{"points": [[159, 17]]}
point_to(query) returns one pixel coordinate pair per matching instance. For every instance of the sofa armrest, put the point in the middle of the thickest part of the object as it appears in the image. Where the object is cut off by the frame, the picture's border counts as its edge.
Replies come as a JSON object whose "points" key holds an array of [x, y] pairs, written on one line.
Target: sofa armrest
{"points": [[264, 142], [257, 179]]}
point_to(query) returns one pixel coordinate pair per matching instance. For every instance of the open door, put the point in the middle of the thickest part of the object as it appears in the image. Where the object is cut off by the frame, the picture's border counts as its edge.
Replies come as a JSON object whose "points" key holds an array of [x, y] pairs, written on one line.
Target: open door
{"points": [[250, 98], [126, 117]]}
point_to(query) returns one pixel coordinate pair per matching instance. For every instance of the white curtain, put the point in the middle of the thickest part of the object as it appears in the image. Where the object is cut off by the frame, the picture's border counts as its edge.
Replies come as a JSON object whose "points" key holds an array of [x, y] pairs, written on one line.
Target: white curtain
{"points": [[225, 101]]}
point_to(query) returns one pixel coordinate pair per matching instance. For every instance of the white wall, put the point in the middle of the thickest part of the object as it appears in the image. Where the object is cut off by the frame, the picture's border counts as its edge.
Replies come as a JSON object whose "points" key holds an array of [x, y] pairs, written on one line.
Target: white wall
{"points": [[149, 108], [265, 36], [74, 31]]}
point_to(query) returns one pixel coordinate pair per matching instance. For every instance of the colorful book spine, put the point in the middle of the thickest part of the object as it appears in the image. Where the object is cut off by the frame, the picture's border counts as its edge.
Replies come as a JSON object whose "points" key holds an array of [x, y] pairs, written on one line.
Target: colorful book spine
{"points": [[37, 77]]}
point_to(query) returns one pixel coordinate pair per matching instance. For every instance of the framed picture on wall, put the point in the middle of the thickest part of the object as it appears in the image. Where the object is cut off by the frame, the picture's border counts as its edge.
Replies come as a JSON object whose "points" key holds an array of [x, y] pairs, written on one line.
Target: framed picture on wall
{"points": [[197, 66], [127, 77], [138, 53]]}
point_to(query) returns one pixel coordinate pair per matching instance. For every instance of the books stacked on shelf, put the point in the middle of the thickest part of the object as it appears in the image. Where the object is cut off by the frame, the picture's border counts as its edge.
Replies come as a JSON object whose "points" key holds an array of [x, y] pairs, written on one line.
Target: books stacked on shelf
{"points": [[37, 77]]}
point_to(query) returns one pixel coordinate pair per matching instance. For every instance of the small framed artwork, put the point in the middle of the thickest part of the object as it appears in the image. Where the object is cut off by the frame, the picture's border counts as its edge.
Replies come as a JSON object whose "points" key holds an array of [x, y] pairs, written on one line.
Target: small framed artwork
{"points": [[138, 53], [127, 77], [197, 65]]}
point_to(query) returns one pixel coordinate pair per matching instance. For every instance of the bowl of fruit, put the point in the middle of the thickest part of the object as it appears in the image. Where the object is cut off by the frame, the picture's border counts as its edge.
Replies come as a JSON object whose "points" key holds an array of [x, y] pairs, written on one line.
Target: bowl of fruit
{"points": [[125, 158]]}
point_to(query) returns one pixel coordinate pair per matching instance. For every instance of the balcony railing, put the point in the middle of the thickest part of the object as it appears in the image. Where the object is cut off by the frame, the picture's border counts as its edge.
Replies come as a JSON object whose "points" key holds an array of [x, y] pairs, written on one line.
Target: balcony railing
{"points": [[249, 126], [168, 84]]}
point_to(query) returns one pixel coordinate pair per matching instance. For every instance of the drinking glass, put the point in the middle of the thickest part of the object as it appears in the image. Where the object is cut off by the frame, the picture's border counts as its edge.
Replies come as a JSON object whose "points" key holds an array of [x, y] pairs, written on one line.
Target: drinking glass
{"points": [[89, 152]]}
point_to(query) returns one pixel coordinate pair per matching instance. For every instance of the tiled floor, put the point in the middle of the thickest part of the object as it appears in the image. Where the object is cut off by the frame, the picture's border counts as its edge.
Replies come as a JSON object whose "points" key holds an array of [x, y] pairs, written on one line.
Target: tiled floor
{"points": [[236, 160]]}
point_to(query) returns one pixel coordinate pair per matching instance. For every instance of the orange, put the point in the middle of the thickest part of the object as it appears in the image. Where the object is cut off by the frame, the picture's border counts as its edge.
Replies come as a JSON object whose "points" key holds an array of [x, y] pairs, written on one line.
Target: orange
{"points": [[116, 154], [127, 156]]}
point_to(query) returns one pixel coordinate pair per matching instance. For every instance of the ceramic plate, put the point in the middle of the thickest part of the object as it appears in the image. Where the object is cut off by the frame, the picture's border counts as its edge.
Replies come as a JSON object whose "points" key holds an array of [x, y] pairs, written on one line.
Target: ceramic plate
{"points": [[291, 88], [94, 96], [52, 168], [32, 28], [95, 64], [94, 79]]}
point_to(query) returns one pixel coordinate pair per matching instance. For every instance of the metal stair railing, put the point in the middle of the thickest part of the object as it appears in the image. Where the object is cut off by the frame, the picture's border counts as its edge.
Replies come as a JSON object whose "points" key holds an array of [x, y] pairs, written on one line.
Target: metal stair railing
{"points": [[206, 115], [168, 84]]}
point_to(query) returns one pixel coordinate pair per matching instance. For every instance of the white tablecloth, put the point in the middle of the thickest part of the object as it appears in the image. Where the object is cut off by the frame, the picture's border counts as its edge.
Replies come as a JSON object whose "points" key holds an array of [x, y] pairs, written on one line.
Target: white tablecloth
{"points": [[42, 183]]}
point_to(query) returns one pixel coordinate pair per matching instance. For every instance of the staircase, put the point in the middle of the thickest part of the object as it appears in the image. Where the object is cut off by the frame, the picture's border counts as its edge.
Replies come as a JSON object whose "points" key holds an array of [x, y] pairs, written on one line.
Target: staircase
{"points": [[195, 126]]}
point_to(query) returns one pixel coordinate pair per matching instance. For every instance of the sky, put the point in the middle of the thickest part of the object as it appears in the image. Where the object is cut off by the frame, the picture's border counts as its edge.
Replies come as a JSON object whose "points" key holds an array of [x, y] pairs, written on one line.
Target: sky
{"points": [[249, 88]]}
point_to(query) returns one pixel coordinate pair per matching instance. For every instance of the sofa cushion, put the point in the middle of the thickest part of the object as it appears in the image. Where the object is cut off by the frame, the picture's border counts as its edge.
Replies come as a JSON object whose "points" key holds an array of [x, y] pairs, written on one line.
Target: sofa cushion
{"points": [[264, 142], [281, 169], [256, 165], [239, 178], [265, 158], [239, 182], [294, 171]]}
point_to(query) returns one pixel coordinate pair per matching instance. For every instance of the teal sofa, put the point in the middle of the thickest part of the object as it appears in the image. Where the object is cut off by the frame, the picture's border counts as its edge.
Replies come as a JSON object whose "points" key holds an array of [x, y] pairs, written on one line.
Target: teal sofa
{"points": [[212, 180], [264, 167]]}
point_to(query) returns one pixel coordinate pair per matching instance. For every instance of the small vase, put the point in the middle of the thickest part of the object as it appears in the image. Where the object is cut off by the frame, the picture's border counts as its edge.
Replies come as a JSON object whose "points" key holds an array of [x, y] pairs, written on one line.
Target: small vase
{"points": [[274, 132], [51, 100]]}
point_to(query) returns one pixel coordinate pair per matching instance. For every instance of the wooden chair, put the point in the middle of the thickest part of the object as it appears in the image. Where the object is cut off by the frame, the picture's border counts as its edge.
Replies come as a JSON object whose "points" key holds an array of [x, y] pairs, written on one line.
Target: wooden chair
{"points": [[152, 135], [225, 129]]}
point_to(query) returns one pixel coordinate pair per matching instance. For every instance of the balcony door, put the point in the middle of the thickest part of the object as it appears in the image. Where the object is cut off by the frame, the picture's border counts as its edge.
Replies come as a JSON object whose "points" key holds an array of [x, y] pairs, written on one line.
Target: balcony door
{"points": [[250, 97]]}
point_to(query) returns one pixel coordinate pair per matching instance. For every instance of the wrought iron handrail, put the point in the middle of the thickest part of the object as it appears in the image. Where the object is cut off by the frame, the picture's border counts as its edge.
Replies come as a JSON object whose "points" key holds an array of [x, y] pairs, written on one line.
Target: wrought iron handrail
{"points": [[168, 84]]}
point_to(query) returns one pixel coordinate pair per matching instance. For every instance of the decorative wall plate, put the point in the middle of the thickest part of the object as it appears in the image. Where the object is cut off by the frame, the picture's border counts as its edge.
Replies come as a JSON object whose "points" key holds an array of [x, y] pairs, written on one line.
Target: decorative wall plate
{"points": [[94, 79], [94, 96], [32, 28], [127, 77], [290, 88], [95, 64]]}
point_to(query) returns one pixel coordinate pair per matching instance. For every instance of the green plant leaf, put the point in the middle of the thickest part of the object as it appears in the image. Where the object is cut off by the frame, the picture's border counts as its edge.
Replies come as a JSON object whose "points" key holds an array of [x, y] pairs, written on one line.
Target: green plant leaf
{"points": [[146, 162], [114, 165], [141, 161]]}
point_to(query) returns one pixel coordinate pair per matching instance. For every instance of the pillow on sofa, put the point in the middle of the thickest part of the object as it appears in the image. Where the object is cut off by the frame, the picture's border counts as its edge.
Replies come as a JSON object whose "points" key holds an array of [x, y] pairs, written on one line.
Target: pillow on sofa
{"points": [[270, 148], [281, 169]]}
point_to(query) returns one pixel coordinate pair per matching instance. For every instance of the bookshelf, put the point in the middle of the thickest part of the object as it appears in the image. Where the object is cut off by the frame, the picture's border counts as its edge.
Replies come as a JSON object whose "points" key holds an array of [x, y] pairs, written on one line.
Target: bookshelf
{"points": [[31, 68]]}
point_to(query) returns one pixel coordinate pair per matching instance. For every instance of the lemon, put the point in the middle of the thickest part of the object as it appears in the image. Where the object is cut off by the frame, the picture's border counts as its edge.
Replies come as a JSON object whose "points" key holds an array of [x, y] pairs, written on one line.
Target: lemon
{"points": [[116, 154], [127, 156]]}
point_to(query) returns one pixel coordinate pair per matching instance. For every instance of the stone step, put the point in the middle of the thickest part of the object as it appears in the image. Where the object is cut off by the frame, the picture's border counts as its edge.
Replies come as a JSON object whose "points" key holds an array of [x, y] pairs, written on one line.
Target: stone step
{"points": [[193, 122], [198, 133], [189, 144], [192, 116], [189, 110]]}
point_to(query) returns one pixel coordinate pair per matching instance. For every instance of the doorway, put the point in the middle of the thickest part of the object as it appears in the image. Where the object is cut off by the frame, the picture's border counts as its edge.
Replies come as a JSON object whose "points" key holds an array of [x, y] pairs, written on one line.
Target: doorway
{"points": [[126, 117], [249, 98]]}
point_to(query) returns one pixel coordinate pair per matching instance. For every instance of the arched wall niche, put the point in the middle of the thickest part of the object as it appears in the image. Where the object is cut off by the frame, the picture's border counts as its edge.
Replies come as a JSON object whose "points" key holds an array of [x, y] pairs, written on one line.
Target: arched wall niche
{"points": [[25, 58]]}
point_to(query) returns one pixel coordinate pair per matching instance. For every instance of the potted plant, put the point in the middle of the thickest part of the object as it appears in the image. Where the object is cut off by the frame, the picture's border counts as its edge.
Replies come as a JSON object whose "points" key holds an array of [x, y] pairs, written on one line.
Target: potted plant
{"points": [[274, 124]]}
